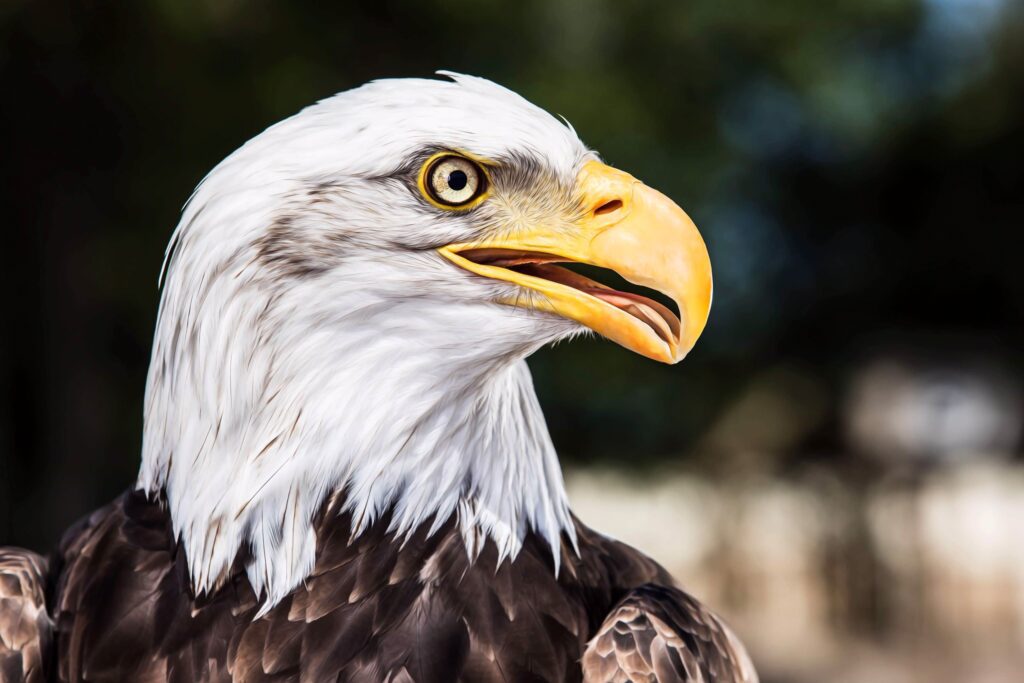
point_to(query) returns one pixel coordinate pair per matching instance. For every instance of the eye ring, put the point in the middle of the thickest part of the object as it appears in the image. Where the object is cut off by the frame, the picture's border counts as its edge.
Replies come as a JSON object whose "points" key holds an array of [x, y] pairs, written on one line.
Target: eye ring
{"points": [[452, 181]]}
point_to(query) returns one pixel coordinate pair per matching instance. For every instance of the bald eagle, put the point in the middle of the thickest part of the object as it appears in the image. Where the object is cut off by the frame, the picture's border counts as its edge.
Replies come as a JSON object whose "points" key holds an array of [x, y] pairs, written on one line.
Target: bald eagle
{"points": [[346, 475]]}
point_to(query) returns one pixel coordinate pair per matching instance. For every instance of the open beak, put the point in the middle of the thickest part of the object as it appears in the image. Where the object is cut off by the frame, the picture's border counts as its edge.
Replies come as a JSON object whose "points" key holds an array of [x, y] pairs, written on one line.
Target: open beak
{"points": [[629, 228]]}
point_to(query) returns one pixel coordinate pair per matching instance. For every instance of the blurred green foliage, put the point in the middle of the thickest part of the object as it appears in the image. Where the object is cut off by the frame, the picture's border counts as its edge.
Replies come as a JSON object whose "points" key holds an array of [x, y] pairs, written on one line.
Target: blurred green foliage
{"points": [[855, 167]]}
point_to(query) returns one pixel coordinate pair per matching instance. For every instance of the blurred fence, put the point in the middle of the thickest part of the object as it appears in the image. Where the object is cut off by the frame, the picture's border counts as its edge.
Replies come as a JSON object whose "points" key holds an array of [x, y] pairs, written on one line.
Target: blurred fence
{"points": [[911, 579]]}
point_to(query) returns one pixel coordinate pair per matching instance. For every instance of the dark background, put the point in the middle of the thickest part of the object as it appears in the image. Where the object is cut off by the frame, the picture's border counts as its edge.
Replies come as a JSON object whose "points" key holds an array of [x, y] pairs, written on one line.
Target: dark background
{"points": [[855, 167]]}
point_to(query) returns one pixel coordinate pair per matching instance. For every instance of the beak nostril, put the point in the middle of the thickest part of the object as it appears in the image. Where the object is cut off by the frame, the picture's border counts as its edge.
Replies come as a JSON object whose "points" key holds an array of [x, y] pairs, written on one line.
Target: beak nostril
{"points": [[609, 206]]}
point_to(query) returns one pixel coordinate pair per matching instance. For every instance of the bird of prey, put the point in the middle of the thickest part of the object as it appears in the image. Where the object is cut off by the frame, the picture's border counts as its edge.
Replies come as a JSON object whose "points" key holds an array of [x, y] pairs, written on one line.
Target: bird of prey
{"points": [[346, 475]]}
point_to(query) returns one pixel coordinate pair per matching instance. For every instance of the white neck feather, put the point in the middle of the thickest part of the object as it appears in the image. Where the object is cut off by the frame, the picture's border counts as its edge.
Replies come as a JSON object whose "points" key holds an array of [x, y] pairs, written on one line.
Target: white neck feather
{"points": [[256, 412]]}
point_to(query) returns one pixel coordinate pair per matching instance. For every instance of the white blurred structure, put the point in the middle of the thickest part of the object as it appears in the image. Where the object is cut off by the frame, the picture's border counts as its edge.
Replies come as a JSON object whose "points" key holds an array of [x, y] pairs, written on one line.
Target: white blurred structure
{"points": [[912, 582], [909, 571], [945, 409]]}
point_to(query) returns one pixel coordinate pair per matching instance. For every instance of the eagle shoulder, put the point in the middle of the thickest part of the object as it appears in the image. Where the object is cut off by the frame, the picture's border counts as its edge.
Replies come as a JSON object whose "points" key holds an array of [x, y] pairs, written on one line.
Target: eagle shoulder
{"points": [[25, 627], [658, 634]]}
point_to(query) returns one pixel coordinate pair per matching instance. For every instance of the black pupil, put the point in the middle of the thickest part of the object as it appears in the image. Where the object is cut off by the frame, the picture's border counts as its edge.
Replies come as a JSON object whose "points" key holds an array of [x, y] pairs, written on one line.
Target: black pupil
{"points": [[457, 180]]}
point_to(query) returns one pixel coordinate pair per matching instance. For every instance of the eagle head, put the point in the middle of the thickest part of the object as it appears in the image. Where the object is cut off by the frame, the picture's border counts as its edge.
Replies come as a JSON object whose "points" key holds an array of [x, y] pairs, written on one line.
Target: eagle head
{"points": [[347, 302]]}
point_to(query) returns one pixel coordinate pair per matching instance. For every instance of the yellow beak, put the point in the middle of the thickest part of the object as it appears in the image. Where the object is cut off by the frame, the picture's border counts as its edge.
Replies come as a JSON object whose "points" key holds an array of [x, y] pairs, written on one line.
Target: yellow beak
{"points": [[629, 228]]}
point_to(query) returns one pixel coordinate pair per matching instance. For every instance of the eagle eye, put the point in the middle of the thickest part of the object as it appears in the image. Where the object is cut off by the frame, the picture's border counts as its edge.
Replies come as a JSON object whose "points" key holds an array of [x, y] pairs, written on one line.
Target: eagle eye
{"points": [[453, 182]]}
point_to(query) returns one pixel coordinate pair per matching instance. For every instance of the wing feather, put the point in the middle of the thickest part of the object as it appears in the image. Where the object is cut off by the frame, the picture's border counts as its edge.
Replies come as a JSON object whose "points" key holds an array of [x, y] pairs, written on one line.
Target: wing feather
{"points": [[658, 634], [26, 629]]}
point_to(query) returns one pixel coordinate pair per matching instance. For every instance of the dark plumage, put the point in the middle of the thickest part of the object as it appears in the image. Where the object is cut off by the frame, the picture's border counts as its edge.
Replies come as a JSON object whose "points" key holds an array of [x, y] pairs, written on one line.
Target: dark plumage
{"points": [[373, 610]]}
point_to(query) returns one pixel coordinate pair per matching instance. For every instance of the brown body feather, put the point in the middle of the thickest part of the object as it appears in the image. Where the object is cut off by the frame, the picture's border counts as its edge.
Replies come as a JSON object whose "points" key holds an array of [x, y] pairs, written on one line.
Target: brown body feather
{"points": [[374, 609], [659, 634], [25, 626]]}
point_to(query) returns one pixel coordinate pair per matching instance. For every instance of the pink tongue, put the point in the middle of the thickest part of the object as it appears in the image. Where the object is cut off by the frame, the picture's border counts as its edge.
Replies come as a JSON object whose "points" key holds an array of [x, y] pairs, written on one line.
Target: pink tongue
{"points": [[637, 309]]}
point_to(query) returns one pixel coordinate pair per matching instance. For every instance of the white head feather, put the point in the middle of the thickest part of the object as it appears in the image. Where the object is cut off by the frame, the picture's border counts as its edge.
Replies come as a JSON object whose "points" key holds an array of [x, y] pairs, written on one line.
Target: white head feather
{"points": [[310, 339]]}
